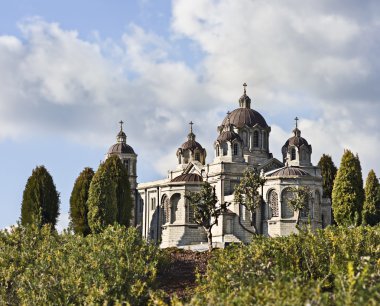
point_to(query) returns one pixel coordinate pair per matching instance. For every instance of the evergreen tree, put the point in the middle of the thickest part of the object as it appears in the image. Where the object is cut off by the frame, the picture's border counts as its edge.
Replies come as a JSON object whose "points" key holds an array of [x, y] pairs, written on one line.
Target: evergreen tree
{"points": [[102, 206], [348, 193], [206, 209], [122, 189], [247, 192], [109, 198], [40, 200], [328, 171], [78, 202], [371, 207]]}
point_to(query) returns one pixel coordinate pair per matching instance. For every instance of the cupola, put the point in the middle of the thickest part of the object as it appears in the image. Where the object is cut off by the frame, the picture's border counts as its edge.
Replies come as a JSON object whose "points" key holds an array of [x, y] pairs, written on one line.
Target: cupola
{"points": [[191, 150], [296, 150]]}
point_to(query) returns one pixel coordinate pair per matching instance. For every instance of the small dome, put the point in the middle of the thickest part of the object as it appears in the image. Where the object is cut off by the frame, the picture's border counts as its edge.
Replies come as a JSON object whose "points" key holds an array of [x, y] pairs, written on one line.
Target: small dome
{"points": [[188, 177], [296, 140], [245, 116], [228, 136], [121, 148], [191, 144], [288, 172]]}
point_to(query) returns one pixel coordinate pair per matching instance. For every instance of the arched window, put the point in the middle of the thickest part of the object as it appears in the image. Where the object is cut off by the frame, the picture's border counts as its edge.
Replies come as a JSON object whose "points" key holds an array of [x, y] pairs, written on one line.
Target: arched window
{"points": [[286, 209], [225, 149], [190, 215], [293, 154], [165, 210], [273, 204], [197, 156], [256, 139], [236, 149], [265, 140], [126, 164], [217, 150], [173, 207], [245, 138]]}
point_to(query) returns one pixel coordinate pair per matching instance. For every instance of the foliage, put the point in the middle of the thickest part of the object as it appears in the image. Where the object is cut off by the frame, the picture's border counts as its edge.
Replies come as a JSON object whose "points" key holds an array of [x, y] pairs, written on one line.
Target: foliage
{"points": [[109, 198], [335, 266], [247, 191], [348, 193], [328, 171], [122, 189], [41, 267], [102, 205], [206, 209], [78, 202], [40, 200], [301, 196], [371, 207]]}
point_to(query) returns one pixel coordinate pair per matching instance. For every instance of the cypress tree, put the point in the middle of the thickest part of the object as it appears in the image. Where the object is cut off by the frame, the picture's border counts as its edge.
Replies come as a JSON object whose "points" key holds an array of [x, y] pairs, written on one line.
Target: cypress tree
{"points": [[122, 189], [109, 198], [328, 171], [371, 207], [40, 200], [102, 206], [348, 193], [78, 202]]}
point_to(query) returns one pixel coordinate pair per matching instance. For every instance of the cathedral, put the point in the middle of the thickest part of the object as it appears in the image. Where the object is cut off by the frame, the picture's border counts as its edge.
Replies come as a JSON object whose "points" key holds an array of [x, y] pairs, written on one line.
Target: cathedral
{"points": [[164, 216]]}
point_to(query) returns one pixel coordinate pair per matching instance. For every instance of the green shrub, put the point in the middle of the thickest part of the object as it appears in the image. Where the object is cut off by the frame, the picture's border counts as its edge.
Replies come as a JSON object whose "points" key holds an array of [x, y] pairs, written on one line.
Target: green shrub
{"points": [[41, 267], [337, 266]]}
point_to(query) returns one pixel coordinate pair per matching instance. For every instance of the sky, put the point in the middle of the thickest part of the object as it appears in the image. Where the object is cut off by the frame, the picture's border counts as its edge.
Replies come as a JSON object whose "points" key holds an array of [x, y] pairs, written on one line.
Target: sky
{"points": [[71, 70]]}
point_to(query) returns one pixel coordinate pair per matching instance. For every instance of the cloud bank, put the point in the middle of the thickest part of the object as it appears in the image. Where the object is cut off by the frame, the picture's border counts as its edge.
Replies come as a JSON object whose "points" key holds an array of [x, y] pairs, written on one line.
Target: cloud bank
{"points": [[316, 60]]}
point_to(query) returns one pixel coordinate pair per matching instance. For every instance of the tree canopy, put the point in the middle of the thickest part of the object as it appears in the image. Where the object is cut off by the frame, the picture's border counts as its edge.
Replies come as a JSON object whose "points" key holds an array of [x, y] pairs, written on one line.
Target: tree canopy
{"points": [[40, 200], [371, 207], [78, 202], [328, 171], [109, 199], [247, 192], [206, 209], [348, 193]]}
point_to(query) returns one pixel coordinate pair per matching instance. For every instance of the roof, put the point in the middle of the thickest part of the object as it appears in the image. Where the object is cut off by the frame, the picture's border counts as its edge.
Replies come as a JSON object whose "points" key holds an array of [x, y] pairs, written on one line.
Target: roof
{"points": [[121, 148], [191, 145], [245, 116], [188, 177], [288, 172], [228, 136]]}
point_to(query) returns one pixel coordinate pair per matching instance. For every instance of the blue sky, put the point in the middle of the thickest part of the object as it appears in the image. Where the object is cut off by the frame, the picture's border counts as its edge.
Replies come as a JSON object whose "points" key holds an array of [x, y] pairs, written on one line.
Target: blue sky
{"points": [[72, 69]]}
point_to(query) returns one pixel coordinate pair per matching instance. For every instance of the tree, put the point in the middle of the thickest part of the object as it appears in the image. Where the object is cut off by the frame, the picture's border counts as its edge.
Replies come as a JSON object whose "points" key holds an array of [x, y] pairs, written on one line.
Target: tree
{"points": [[124, 201], [78, 202], [371, 207], [206, 209], [109, 199], [348, 193], [40, 200], [300, 200], [328, 171], [247, 191]]}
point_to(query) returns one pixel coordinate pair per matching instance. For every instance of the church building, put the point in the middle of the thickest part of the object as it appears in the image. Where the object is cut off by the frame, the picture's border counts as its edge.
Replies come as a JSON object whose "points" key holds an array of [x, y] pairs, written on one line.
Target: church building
{"points": [[164, 215]]}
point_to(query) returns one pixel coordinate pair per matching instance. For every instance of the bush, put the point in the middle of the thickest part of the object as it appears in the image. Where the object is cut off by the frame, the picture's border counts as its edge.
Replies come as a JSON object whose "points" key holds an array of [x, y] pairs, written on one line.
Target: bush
{"points": [[41, 267], [337, 266]]}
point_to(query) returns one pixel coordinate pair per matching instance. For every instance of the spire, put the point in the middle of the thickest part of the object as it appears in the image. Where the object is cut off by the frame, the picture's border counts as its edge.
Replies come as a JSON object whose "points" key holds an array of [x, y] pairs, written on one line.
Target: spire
{"points": [[191, 135], [121, 137], [296, 131], [245, 101]]}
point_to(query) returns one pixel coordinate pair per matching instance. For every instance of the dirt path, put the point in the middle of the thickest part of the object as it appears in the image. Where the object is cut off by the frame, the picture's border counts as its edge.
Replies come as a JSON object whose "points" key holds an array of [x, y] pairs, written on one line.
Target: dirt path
{"points": [[179, 276]]}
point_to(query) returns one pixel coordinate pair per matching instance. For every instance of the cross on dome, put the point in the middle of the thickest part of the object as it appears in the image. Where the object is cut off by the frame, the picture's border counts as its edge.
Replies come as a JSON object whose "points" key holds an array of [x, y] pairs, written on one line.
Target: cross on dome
{"points": [[191, 126], [296, 119], [245, 88], [121, 125]]}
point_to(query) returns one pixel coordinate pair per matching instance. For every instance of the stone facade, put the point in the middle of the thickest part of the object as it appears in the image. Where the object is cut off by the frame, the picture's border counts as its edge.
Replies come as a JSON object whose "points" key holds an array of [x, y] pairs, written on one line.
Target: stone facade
{"points": [[242, 142]]}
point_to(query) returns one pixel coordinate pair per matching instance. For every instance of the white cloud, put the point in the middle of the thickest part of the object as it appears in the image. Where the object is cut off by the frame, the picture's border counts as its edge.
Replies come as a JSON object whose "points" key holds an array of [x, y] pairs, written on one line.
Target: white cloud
{"points": [[317, 60]]}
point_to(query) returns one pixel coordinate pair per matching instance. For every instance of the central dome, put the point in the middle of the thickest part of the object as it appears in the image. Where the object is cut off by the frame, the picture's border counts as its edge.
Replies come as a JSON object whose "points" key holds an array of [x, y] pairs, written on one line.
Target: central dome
{"points": [[245, 116]]}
